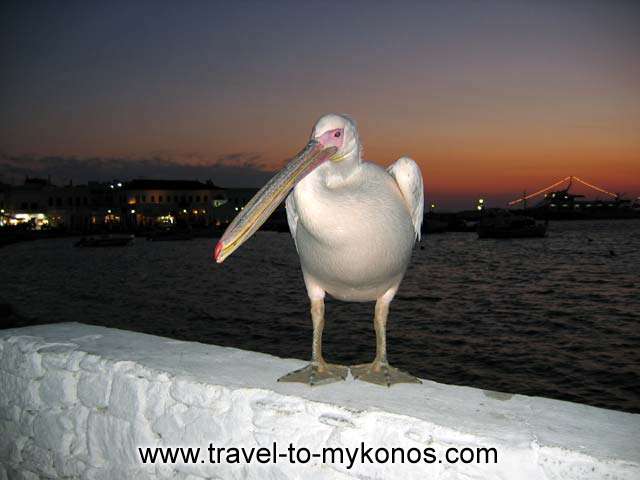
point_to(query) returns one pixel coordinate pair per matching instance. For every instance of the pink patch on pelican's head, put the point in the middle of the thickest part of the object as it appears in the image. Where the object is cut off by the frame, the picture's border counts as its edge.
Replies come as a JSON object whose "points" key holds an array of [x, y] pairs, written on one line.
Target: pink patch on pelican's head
{"points": [[332, 138]]}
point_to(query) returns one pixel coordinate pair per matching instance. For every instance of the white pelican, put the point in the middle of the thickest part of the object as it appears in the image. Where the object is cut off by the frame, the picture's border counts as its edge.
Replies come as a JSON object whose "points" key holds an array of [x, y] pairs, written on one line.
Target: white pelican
{"points": [[354, 225]]}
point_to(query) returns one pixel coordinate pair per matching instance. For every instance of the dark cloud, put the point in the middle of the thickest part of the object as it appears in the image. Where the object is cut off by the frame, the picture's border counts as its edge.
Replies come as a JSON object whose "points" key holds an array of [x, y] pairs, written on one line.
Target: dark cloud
{"points": [[237, 169]]}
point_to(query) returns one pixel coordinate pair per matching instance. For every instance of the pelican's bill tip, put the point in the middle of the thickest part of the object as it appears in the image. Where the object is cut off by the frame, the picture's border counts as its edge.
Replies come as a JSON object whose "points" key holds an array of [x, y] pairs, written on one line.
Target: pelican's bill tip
{"points": [[217, 251]]}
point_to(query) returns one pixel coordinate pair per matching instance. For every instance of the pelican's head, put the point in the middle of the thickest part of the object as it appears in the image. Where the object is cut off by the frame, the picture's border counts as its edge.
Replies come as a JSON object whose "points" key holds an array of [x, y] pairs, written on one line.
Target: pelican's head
{"points": [[339, 131], [334, 141]]}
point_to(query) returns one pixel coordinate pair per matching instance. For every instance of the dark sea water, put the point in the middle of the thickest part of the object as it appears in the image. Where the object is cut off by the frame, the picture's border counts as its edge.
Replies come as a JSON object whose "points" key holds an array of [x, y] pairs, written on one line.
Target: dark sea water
{"points": [[557, 317]]}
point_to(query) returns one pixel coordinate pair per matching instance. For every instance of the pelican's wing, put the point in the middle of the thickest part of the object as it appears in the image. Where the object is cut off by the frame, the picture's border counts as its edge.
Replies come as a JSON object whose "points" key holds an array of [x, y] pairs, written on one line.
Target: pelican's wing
{"points": [[292, 216], [409, 179]]}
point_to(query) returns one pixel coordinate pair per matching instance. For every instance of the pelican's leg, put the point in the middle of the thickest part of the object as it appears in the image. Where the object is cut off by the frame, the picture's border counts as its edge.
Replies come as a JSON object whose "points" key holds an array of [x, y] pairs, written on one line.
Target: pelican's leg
{"points": [[318, 372], [379, 371]]}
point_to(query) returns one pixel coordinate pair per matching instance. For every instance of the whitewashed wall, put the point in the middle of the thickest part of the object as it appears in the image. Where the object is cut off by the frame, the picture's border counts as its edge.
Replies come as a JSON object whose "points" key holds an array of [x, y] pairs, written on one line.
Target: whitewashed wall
{"points": [[76, 401]]}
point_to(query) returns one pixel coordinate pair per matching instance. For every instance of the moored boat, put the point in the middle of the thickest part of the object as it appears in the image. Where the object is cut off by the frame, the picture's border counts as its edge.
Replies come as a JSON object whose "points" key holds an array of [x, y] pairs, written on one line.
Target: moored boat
{"points": [[104, 241], [170, 234], [504, 224]]}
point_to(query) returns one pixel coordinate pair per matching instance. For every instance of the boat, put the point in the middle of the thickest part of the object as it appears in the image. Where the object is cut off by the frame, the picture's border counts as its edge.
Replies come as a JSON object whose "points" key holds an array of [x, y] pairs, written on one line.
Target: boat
{"points": [[170, 235], [434, 223], [104, 241], [504, 224], [457, 224], [561, 204]]}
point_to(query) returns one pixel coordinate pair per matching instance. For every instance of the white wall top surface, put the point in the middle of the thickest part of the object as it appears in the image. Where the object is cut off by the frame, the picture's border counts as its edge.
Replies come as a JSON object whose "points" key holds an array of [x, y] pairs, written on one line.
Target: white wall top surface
{"points": [[575, 437]]}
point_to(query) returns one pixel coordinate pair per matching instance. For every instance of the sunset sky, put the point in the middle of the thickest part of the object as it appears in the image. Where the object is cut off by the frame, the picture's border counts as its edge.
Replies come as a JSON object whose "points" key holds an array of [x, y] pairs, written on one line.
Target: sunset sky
{"points": [[490, 98]]}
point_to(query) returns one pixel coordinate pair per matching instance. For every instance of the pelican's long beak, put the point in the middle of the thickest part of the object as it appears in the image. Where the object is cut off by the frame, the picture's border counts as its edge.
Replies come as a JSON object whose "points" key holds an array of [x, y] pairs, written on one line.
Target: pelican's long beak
{"points": [[257, 211]]}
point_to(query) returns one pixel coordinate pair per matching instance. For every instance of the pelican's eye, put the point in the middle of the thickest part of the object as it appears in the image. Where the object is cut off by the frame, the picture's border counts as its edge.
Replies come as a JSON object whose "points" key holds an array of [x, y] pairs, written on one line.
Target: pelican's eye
{"points": [[337, 134]]}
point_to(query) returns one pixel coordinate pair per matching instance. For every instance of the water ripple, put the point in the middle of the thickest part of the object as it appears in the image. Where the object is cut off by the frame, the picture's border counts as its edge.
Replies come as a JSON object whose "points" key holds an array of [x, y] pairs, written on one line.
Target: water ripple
{"points": [[555, 317]]}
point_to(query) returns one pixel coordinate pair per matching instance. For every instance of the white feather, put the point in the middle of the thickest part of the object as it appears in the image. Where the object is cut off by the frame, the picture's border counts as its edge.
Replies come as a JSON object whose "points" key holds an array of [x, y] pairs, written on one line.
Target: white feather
{"points": [[409, 179], [292, 216]]}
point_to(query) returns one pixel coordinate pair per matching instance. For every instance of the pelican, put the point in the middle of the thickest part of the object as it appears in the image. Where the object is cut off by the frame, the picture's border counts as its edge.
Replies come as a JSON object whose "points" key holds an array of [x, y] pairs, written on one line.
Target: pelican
{"points": [[354, 225]]}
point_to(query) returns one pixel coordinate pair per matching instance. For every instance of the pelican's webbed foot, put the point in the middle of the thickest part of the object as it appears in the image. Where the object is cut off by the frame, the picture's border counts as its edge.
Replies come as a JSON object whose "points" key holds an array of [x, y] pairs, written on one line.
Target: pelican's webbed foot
{"points": [[381, 373], [317, 374]]}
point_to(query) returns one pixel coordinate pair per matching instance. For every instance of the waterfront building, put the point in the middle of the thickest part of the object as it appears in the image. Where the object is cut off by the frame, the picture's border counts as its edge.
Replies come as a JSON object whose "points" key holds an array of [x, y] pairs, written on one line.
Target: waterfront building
{"points": [[38, 204]]}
